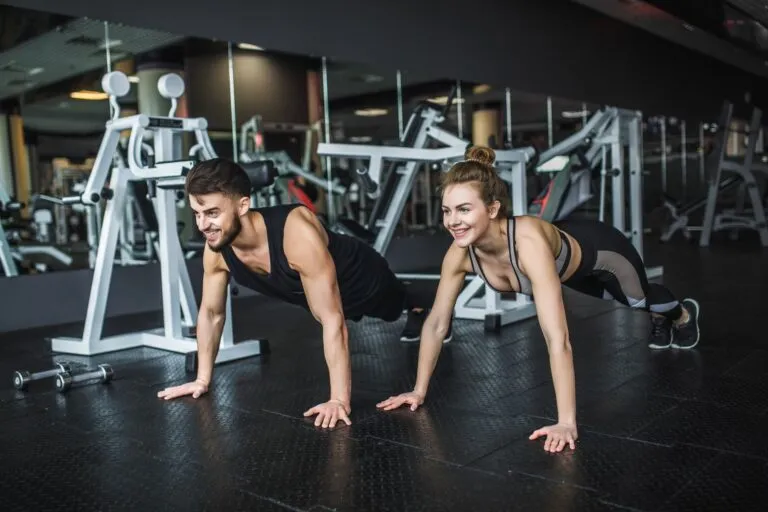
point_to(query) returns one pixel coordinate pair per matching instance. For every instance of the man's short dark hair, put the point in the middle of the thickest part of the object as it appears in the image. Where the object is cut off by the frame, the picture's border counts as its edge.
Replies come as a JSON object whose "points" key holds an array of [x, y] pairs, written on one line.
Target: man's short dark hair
{"points": [[218, 175]]}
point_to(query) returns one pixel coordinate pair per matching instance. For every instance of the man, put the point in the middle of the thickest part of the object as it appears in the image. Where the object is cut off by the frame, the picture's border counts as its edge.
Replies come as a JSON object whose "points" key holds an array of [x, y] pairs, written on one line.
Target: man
{"points": [[285, 252]]}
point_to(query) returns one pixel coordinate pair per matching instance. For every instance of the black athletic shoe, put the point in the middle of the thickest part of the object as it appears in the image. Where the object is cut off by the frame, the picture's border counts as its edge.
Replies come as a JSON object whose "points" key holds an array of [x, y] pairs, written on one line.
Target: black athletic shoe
{"points": [[661, 332], [414, 323], [687, 335], [412, 330]]}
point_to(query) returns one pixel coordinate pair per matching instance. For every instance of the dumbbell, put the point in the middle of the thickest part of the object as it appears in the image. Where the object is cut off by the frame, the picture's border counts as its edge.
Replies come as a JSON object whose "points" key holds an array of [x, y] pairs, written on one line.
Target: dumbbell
{"points": [[103, 372], [22, 378]]}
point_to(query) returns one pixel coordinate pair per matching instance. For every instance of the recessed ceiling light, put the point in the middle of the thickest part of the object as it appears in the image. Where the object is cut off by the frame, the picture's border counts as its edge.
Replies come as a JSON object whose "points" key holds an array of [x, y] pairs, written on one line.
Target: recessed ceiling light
{"points": [[35, 71], [89, 95], [248, 46], [575, 114], [371, 112], [442, 100]]}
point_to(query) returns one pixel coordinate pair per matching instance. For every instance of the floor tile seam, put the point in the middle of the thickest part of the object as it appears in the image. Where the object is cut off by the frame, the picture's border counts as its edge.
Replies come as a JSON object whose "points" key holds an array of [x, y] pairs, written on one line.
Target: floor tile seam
{"points": [[721, 405], [275, 501], [469, 465], [690, 481], [725, 451]]}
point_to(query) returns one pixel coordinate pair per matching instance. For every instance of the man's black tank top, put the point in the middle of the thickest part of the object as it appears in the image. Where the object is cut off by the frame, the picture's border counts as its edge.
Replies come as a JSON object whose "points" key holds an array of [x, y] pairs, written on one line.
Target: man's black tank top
{"points": [[361, 272]]}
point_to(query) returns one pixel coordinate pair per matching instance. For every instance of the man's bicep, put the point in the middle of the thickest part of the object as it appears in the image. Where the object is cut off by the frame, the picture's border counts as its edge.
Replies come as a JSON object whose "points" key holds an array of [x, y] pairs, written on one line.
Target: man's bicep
{"points": [[308, 254], [322, 290]]}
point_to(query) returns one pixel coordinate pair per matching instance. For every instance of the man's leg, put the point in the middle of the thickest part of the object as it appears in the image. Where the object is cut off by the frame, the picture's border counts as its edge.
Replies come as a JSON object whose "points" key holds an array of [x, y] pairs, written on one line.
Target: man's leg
{"points": [[417, 311]]}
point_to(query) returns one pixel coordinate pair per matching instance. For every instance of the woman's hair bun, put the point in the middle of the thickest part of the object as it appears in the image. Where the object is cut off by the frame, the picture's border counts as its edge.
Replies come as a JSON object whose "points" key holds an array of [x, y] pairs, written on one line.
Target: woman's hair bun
{"points": [[481, 154]]}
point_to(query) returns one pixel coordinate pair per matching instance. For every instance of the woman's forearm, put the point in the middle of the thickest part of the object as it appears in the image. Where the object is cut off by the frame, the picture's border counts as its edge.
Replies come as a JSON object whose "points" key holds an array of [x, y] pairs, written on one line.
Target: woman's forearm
{"points": [[564, 380]]}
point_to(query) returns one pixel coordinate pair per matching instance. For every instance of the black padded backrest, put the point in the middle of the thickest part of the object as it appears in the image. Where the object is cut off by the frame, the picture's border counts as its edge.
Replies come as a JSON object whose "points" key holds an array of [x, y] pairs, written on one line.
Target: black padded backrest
{"points": [[140, 191]]}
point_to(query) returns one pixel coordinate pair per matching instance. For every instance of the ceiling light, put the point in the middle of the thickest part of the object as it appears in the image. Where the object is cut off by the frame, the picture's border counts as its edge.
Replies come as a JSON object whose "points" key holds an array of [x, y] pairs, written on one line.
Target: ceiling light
{"points": [[133, 79], [110, 44], [89, 95], [575, 114], [442, 100], [371, 112], [248, 46], [35, 71], [481, 89], [361, 139]]}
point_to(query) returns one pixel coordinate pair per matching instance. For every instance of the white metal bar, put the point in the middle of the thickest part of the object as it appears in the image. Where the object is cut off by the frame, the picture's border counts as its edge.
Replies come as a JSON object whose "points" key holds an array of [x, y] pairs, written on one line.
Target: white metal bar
{"points": [[617, 181]]}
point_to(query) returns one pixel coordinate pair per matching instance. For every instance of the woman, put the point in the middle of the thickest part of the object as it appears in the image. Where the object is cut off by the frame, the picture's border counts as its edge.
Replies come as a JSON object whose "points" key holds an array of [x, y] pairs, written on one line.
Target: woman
{"points": [[531, 256]]}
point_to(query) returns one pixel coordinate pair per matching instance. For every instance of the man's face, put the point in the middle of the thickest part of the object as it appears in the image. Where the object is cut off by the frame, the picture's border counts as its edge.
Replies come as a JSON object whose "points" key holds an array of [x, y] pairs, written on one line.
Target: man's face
{"points": [[218, 218]]}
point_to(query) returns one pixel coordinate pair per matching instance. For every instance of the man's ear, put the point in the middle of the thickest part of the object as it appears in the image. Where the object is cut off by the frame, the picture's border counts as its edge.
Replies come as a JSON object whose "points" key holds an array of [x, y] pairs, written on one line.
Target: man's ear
{"points": [[494, 208], [243, 206]]}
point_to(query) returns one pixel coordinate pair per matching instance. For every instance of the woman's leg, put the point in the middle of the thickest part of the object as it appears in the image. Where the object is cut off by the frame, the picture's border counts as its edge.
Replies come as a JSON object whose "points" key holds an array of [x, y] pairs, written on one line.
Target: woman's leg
{"points": [[621, 271]]}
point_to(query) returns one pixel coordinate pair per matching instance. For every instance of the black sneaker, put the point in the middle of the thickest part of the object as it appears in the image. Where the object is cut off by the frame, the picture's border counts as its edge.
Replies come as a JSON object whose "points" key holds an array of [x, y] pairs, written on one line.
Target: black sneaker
{"points": [[414, 323], [686, 336], [661, 332]]}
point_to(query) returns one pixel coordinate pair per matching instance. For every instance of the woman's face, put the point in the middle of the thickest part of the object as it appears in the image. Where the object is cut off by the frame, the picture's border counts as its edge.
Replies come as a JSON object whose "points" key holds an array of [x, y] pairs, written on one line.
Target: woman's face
{"points": [[465, 215]]}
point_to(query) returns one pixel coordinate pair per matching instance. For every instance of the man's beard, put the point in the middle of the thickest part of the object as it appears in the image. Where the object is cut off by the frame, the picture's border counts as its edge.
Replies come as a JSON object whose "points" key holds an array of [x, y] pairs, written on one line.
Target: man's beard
{"points": [[227, 237]]}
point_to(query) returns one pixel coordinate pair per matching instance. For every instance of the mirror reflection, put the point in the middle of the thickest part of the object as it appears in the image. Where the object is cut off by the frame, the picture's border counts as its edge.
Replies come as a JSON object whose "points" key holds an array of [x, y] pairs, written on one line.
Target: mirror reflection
{"points": [[260, 104]]}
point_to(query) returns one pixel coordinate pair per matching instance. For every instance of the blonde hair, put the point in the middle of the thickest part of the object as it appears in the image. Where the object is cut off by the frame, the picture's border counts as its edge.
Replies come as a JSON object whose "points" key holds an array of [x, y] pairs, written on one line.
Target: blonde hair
{"points": [[477, 168]]}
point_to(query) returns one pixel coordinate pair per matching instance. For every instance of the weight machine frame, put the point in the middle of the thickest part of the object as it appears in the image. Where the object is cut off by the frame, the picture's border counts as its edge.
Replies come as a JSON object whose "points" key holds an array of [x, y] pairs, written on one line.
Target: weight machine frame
{"points": [[164, 177], [9, 255], [610, 130], [744, 170]]}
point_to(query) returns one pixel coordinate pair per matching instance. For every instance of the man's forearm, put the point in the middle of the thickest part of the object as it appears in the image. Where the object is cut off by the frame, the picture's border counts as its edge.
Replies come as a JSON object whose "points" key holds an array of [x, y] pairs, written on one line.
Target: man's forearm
{"points": [[429, 350], [563, 378], [209, 329], [336, 348]]}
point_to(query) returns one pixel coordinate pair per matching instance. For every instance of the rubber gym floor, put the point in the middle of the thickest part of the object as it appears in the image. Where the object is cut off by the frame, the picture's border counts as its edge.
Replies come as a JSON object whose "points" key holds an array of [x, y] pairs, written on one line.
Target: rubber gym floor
{"points": [[659, 430]]}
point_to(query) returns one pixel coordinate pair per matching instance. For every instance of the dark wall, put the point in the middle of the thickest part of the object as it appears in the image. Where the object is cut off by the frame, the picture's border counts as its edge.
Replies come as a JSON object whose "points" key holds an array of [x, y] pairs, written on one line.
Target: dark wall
{"points": [[546, 46], [31, 301], [56, 298], [270, 85]]}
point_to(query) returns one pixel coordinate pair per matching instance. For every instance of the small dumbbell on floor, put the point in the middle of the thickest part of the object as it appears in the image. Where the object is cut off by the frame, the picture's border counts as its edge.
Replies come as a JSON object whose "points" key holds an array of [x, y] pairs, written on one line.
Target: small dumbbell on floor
{"points": [[102, 373], [22, 378]]}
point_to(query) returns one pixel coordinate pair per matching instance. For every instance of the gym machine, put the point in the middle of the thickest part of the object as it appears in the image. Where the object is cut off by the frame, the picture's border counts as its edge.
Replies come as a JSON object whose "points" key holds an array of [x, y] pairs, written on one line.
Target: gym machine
{"points": [[745, 172], [164, 175], [741, 176], [9, 255], [252, 149], [611, 130], [7, 208], [390, 188], [608, 134]]}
